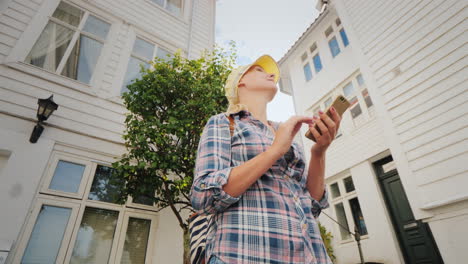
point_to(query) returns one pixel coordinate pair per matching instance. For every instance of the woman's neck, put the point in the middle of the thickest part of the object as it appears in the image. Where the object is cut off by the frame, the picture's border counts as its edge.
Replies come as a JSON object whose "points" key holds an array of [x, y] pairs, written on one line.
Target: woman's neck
{"points": [[258, 110]]}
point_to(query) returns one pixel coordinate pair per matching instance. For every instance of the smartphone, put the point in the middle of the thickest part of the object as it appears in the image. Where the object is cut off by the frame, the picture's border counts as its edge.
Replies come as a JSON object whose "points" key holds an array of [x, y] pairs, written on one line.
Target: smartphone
{"points": [[340, 104]]}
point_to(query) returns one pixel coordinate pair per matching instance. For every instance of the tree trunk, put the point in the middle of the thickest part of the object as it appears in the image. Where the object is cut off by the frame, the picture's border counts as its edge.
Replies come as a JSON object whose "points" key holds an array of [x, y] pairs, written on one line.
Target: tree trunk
{"points": [[186, 246]]}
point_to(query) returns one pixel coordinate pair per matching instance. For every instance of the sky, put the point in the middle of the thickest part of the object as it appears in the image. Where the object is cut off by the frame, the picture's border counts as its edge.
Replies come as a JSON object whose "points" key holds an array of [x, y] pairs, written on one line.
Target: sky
{"points": [[264, 27]]}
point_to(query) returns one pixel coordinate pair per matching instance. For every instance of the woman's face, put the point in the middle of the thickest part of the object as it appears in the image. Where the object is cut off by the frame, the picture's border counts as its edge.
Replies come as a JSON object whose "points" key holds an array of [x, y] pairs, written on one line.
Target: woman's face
{"points": [[256, 78]]}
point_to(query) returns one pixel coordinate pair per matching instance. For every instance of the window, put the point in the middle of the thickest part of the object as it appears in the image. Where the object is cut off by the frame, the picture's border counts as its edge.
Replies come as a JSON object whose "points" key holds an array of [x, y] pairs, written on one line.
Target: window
{"points": [[347, 208], [335, 190], [70, 44], [67, 176], [344, 38], [313, 48], [334, 48], [329, 31], [331, 35], [357, 216], [317, 63], [68, 228], [349, 185], [102, 189], [174, 6], [349, 93], [338, 22], [367, 98], [142, 53], [136, 240], [304, 56], [341, 217], [95, 236], [315, 57], [47, 235], [307, 72]]}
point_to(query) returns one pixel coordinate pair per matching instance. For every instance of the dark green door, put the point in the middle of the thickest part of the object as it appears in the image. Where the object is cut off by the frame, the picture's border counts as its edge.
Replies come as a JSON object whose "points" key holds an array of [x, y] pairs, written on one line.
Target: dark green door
{"points": [[414, 236]]}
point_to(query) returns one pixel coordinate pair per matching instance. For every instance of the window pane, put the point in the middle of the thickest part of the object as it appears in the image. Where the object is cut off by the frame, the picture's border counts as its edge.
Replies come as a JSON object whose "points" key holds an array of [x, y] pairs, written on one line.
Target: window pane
{"points": [[367, 98], [349, 185], [67, 177], [103, 189], [307, 72], [304, 56], [335, 190], [328, 31], [159, 2], [47, 235], [136, 241], [357, 216], [360, 80], [94, 240], [50, 47], [317, 63], [82, 61], [174, 6], [143, 48], [68, 14], [313, 47], [162, 53], [334, 48], [356, 110], [143, 200], [96, 26], [341, 216], [348, 89], [328, 102], [338, 22], [133, 72], [344, 37]]}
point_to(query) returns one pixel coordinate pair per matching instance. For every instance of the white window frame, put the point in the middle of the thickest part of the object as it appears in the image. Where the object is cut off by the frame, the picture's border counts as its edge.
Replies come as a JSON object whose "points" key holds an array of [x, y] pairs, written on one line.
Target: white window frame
{"points": [[367, 114], [16, 58], [344, 198], [313, 53], [164, 7], [152, 233], [29, 226], [136, 36], [78, 203], [76, 228], [56, 157], [335, 33]]}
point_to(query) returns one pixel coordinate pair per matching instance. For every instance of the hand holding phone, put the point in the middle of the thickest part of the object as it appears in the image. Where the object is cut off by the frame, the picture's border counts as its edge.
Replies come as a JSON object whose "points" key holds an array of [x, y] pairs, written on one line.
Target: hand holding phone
{"points": [[340, 104]]}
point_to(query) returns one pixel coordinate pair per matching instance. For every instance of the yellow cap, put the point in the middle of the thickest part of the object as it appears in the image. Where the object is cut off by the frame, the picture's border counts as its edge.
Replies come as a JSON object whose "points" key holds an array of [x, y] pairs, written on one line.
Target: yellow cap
{"points": [[230, 87]]}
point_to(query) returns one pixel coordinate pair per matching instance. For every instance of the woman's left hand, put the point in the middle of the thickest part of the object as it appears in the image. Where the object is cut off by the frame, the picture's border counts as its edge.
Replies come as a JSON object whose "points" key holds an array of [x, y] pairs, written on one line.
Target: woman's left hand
{"points": [[328, 126]]}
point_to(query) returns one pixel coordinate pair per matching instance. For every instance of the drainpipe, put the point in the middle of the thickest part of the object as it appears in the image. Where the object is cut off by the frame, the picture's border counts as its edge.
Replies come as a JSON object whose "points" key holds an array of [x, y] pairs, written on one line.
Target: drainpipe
{"points": [[189, 44]]}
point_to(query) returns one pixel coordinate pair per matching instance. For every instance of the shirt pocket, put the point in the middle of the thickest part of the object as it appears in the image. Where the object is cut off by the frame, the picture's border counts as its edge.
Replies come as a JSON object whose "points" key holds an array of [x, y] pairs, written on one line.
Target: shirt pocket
{"points": [[246, 143]]}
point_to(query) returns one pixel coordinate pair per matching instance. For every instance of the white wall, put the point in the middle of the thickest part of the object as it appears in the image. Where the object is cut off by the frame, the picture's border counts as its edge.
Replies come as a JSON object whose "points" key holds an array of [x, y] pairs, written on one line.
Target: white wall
{"points": [[351, 153], [90, 118], [415, 52]]}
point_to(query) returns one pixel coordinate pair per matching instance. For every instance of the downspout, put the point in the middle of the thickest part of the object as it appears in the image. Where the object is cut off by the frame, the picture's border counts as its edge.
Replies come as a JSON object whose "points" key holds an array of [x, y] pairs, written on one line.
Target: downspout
{"points": [[189, 44]]}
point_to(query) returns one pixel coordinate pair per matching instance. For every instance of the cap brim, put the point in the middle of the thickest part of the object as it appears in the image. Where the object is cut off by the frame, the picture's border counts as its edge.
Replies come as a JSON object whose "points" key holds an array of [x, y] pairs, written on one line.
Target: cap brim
{"points": [[269, 65]]}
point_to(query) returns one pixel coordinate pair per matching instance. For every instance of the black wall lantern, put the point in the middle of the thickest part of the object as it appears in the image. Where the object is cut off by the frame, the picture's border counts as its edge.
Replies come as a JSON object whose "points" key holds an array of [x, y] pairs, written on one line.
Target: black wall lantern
{"points": [[45, 109]]}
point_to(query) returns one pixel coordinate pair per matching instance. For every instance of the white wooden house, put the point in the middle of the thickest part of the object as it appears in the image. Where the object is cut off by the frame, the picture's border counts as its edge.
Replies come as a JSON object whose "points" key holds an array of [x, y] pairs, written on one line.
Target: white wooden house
{"points": [[398, 168], [83, 53]]}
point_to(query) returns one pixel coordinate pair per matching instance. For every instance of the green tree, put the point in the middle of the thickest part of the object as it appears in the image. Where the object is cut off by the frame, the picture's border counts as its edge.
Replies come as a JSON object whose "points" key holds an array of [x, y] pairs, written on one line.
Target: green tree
{"points": [[327, 241], [167, 109]]}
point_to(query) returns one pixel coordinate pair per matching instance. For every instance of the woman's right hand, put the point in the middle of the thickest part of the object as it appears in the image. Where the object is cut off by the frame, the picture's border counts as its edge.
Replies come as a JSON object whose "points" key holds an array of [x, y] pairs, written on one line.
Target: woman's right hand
{"points": [[287, 131]]}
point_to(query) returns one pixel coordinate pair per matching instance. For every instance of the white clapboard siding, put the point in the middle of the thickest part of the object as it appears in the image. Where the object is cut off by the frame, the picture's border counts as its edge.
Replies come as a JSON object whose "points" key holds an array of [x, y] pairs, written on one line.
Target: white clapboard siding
{"points": [[88, 110], [417, 53], [13, 21], [353, 146]]}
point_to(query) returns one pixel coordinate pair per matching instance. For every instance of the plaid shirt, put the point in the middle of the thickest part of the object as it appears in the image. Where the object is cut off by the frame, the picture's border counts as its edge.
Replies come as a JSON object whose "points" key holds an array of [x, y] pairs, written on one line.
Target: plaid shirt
{"points": [[274, 220]]}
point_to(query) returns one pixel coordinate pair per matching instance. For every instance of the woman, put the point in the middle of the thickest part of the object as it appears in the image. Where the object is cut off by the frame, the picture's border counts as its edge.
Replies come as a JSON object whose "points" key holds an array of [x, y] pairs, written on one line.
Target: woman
{"points": [[263, 200]]}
